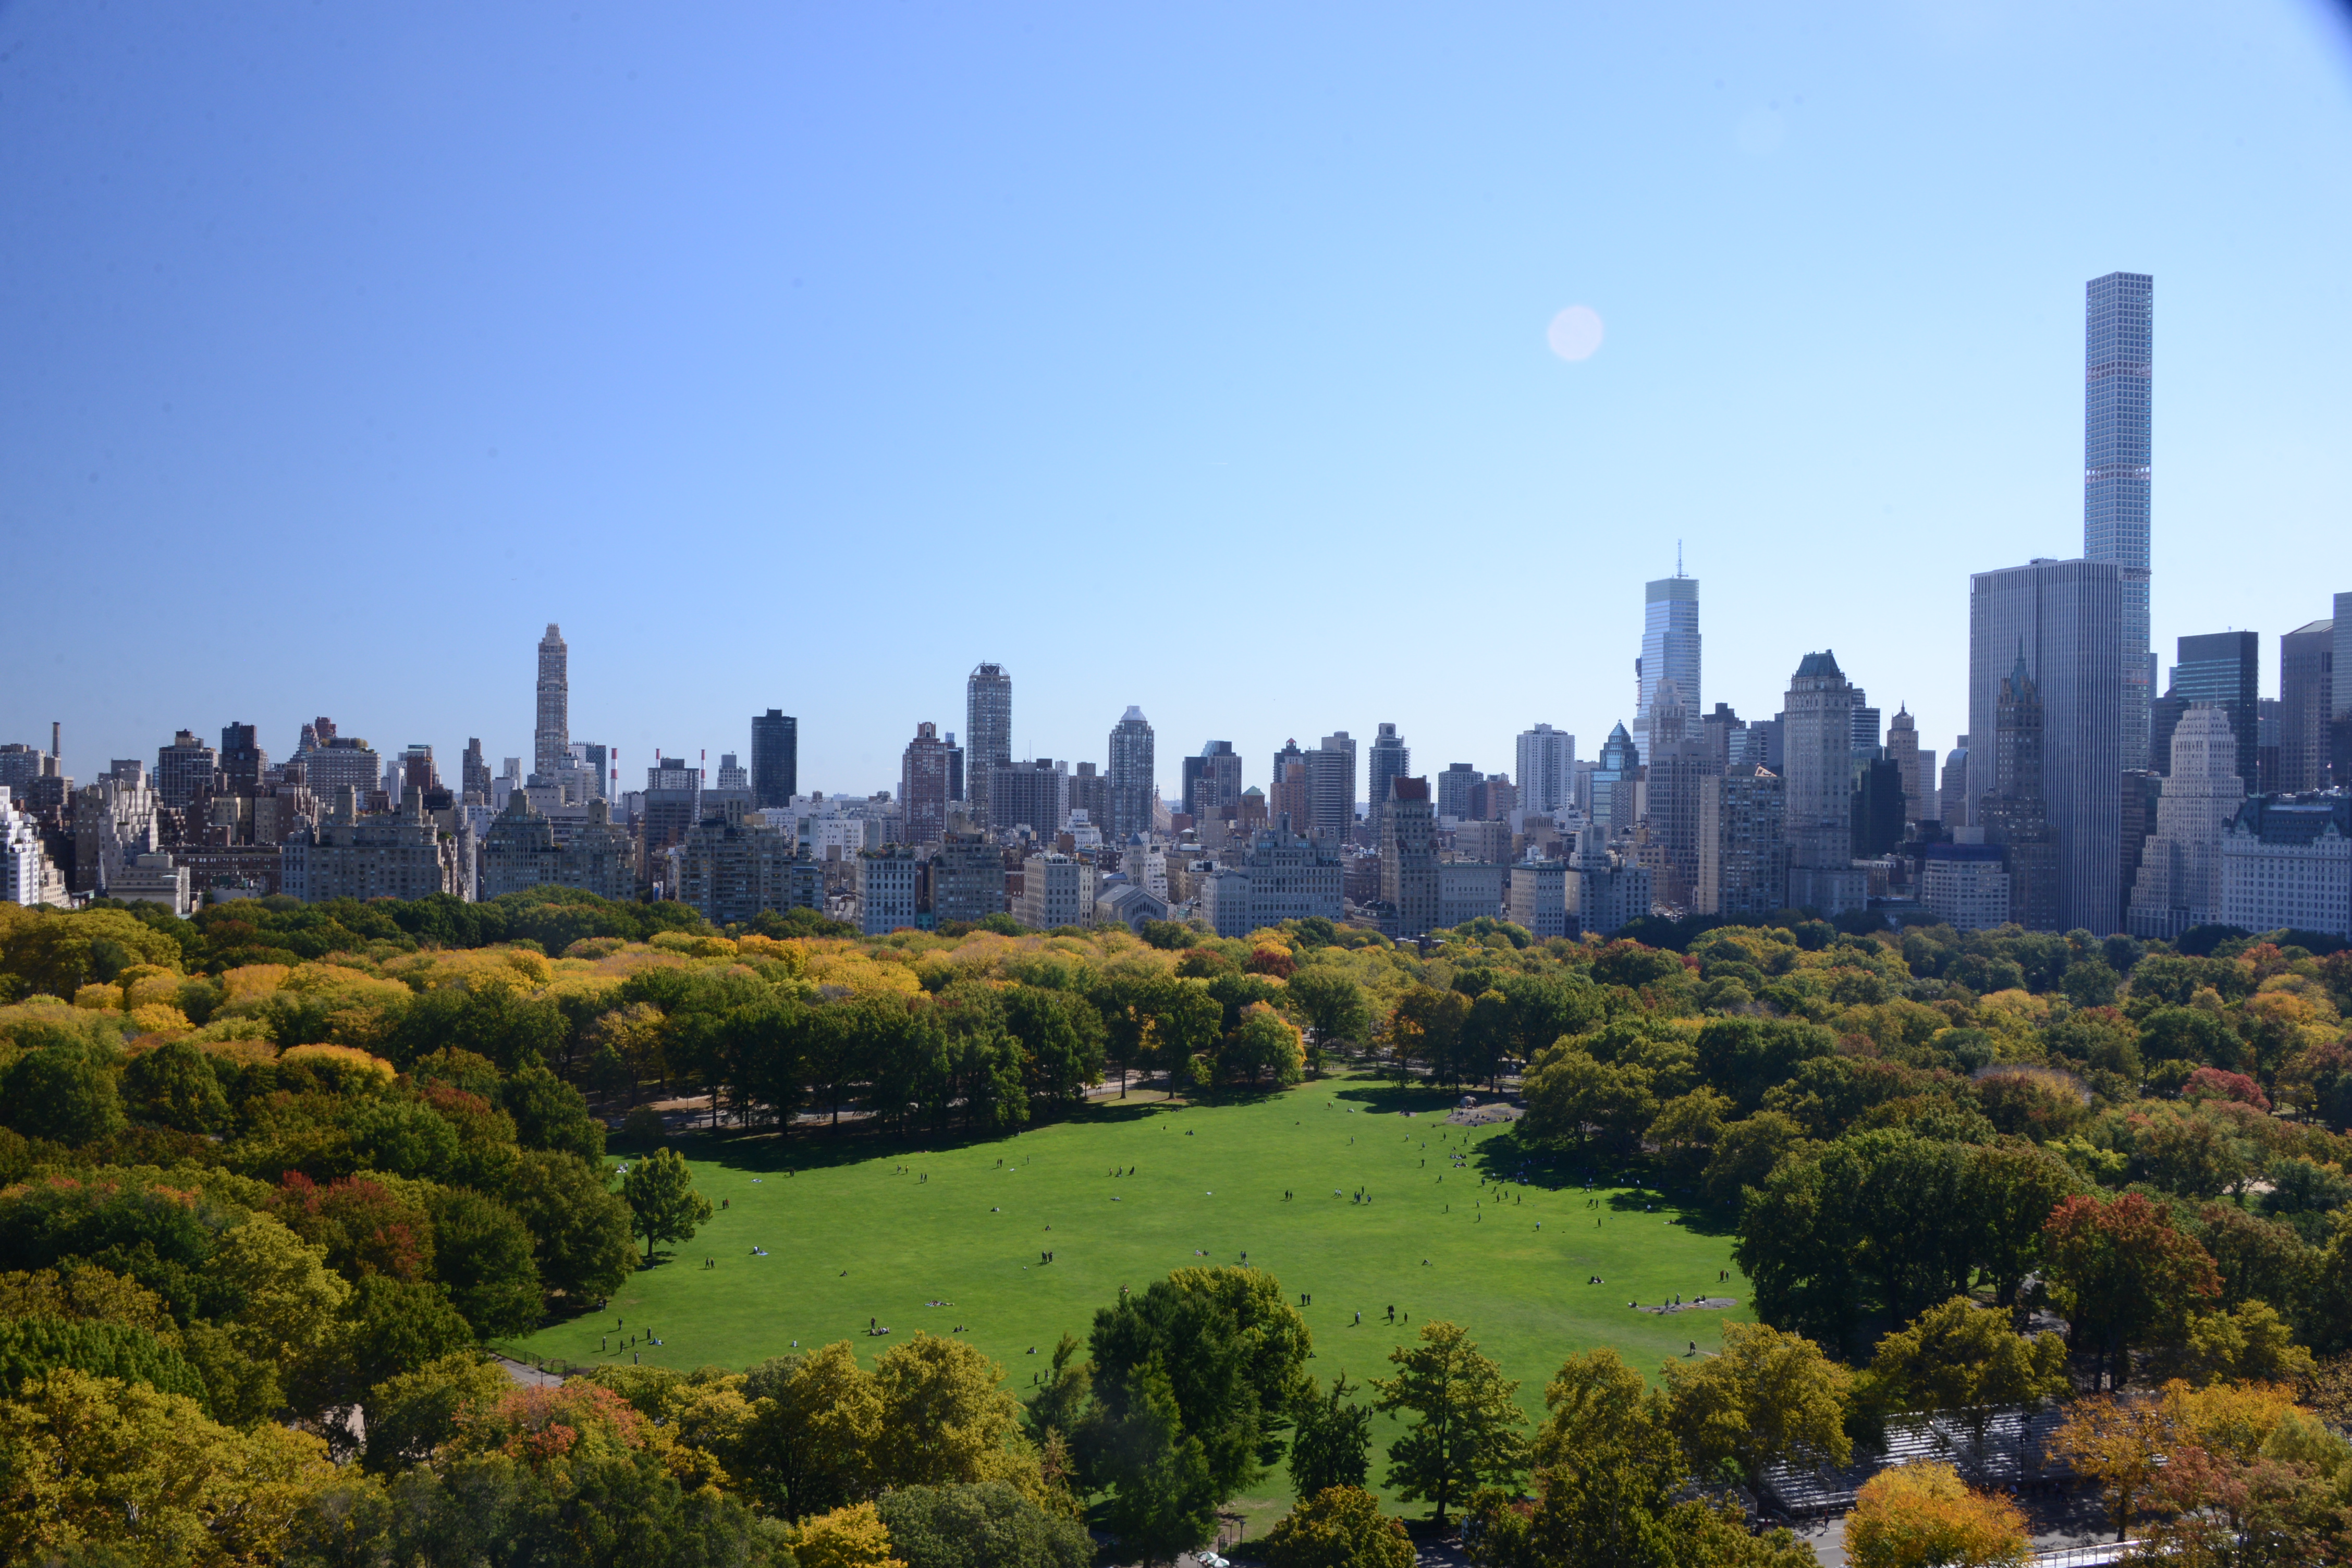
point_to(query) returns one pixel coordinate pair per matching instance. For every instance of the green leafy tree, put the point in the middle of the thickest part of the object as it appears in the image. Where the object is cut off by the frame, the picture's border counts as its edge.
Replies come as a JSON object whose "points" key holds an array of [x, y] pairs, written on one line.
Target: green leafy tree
{"points": [[660, 1191], [1339, 1527], [2124, 1275], [30, 1348], [1164, 1492], [65, 1093], [1330, 1440], [1331, 1000], [1264, 1044], [482, 1255], [982, 1526], [1964, 1362], [1748, 1151], [551, 1114], [1769, 1397], [1464, 1431], [579, 1229], [174, 1085], [411, 1415]]}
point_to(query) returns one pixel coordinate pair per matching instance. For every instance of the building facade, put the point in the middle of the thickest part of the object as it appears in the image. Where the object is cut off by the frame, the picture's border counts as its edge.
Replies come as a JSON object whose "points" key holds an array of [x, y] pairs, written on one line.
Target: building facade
{"points": [[1282, 877], [1616, 775], [551, 737], [2118, 353], [885, 890], [2064, 620], [1817, 744], [2287, 862], [987, 731], [522, 850], [1546, 761], [1055, 890], [2179, 880], [1670, 651], [1130, 780], [1409, 857], [399, 854], [1468, 889], [1388, 758], [1331, 788], [1965, 886], [775, 759], [923, 785], [1743, 846], [1538, 899], [1213, 783], [1606, 891], [967, 878], [1917, 765], [2306, 697], [1034, 795]]}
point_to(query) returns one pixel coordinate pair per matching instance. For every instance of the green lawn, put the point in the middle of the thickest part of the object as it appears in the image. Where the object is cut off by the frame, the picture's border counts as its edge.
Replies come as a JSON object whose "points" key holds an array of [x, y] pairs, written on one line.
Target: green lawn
{"points": [[857, 1229]]}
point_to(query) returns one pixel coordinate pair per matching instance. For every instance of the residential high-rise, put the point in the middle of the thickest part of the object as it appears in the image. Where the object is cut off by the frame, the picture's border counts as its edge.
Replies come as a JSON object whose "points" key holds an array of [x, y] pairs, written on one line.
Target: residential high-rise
{"points": [[2340, 717], [1390, 758], [1133, 784], [1743, 849], [1213, 783], [671, 806], [2118, 338], [242, 760], [2225, 668], [775, 759], [1088, 792], [1817, 744], [1034, 795], [474, 775], [987, 732], [1952, 794], [1916, 766], [1680, 770], [2179, 880], [923, 785], [2015, 811], [1670, 649], [1547, 769], [2065, 619], [1331, 789], [551, 740], [185, 771], [1605, 890], [1613, 778], [1453, 790], [1409, 882]]}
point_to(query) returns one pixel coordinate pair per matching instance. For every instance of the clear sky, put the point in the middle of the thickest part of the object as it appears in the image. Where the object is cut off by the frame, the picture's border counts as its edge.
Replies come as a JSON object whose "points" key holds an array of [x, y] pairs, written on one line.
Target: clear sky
{"points": [[1189, 356]]}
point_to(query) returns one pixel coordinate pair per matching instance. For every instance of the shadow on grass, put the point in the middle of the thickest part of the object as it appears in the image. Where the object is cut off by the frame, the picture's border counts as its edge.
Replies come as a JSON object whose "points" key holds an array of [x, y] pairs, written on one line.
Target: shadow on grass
{"points": [[764, 1151]]}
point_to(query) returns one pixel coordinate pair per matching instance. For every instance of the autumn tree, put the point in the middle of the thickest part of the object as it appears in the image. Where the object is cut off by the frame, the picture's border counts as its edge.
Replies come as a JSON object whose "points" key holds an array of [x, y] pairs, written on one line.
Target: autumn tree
{"points": [[1922, 1515], [1770, 1399], [2122, 1275], [1964, 1361], [1339, 1527]]}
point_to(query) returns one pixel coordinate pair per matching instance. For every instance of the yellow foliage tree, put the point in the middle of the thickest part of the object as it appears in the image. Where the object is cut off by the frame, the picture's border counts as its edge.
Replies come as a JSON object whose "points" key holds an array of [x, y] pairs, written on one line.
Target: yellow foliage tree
{"points": [[1921, 1516], [852, 1537]]}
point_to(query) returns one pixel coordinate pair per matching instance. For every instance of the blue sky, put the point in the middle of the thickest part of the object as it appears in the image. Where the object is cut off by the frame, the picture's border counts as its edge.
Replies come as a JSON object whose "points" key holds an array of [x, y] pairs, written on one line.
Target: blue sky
{"points": [[1191, 357]]}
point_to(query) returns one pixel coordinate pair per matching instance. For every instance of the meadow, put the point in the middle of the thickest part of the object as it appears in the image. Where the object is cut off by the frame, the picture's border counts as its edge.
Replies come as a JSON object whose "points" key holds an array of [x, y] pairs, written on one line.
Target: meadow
{"points": [[1360, 1197]]}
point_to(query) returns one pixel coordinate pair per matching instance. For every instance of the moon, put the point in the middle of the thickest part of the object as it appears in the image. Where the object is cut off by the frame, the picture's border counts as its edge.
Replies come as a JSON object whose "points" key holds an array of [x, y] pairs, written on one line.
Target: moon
{"points": [[1576, 333]]}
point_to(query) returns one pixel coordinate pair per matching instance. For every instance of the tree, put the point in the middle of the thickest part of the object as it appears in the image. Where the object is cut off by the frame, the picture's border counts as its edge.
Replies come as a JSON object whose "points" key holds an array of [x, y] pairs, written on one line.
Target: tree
{"points": [[1426, 1026], [65, 1093], [817, 1417], [97, 1471], [2123, 1274], [2013, 1190], [414, 1413], [1061, 1040], [1964, 1361], [580, 1228], [482, 1255], [1465, 1431], [1165, 1494], [1687, 1127], [1921, 1516], [174, 1085], [2119, 1445], [1339, 1527], [1770, 1399], [1264, 1043], [1747, 1151], [389, 1329], [1569, 1092], [32, 1347], [1331, 1002], [659, 1190], [1330, 1438], [945, 1421], [548, 1114], [979, 1526]]}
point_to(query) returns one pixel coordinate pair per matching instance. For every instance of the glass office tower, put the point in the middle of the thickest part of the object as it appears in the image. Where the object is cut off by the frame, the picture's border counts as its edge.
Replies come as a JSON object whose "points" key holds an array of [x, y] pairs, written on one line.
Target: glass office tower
{"points": [[1669, 650], [2118, 328]]}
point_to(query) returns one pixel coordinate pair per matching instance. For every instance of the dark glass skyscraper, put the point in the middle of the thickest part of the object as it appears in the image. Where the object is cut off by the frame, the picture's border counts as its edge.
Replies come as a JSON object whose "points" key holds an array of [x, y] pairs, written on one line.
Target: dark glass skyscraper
{"points": [[2225, 668], [2118, 331], [775, 759]]}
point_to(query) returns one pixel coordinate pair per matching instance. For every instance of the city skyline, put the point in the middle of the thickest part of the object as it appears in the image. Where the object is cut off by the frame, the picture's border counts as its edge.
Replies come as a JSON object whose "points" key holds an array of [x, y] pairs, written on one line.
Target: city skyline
{"points": [[453, 445]]}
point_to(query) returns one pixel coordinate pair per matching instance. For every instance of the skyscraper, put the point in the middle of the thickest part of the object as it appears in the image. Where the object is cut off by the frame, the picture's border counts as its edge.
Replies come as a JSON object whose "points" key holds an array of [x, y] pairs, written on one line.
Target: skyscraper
{"points": [[2339, 718], [2225, 668], [2118, 333], [1132, 783], [2064, 619], [923, 785], [551, 740], [2307, 697], [1917, 767], [2015, 811], [775, 759], [1390, 758], [2179, 880], [1612, 784], [1547, 769], [1409, 857], [1331, 788], [1213, 783], [1670, 649], [1817, 747], [987, 731]]}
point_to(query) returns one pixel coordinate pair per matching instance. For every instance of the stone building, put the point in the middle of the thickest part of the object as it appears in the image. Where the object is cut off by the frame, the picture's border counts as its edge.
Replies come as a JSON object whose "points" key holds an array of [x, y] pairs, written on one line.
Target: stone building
{"points": [[523, 850], [1606, 890], [1538, 900], [885, 890], [967, 877], [392, 855], [1743, 847], [2287, 862], [1056, 890], [1409, 884], [1282, 877], [2179, 880]]}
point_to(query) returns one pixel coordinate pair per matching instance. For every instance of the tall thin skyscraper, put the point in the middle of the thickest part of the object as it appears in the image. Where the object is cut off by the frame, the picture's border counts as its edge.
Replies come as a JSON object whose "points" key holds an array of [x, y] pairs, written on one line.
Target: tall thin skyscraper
{"points": [[1390, 758], [775, 758], [1547, 761], [551, 740], [1331, 788], [987, 731], [2063, 619], [1132, 784], [2118, 333], [1670, 649]]}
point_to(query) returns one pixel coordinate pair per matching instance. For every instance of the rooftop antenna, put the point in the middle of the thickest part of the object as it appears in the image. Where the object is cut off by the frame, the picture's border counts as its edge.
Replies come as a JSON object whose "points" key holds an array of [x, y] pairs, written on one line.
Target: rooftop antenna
{"points": [[1678, 557]]}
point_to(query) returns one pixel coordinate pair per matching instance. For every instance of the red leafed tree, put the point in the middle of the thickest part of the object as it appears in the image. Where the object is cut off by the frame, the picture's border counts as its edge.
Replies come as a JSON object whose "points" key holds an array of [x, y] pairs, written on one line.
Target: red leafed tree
{"points": [[2122, 1275]]}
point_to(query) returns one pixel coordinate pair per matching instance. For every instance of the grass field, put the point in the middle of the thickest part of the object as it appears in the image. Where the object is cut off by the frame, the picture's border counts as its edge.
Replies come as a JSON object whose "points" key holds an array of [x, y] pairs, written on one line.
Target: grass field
{"points": [[860, 1228]]}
